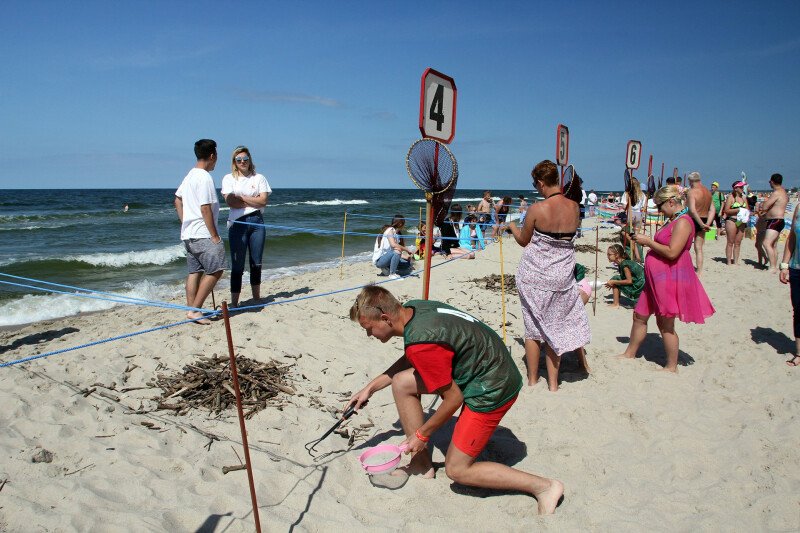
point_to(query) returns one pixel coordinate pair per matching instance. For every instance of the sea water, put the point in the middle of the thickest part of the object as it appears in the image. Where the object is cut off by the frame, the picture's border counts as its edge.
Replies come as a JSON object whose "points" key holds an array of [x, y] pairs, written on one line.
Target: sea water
{"points": [[84, 238]]}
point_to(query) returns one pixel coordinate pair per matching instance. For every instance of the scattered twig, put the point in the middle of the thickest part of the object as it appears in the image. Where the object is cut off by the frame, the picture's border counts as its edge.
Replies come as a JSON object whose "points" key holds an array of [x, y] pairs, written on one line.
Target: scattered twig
{"points": [[78, 470], [226, 469]]}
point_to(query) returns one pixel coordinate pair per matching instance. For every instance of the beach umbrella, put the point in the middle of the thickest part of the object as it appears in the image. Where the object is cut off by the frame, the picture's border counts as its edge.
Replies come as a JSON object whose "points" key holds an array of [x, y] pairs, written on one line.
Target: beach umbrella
{"points": [[433, 168]]}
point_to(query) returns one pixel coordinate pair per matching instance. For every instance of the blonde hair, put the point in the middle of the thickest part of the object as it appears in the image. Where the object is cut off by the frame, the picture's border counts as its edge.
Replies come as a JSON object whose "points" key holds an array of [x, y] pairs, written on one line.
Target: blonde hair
{"points": [[669, 192], [637, 190], [251, 167], [372, 302]]}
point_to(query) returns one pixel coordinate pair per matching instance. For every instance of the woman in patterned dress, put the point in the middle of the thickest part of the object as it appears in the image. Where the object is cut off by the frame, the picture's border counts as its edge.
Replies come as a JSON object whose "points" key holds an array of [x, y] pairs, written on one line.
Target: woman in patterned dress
{"points": [[552, 309]]}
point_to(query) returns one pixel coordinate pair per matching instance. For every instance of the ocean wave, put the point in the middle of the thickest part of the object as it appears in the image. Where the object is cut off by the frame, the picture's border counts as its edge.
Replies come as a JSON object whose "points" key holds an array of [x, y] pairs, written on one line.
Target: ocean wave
{"points": [[325, 202], [37, 307], [158, 256]]}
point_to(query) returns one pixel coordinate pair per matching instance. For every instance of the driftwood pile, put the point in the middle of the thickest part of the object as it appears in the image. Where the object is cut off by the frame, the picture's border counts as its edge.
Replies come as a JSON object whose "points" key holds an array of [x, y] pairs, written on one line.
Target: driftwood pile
{"points": [[591, 248], [492, 282], [207, 384]]}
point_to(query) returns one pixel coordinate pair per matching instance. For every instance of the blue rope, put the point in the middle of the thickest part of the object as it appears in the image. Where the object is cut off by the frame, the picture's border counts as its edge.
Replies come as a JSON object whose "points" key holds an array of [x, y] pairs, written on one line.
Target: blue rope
{"points": [[79, 295], [131, 298], [126, 336]]}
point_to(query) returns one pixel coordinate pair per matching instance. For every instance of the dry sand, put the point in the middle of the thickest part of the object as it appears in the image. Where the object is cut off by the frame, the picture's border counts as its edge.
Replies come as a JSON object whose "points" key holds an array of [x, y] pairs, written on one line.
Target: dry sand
{"points": [[715, 447]]}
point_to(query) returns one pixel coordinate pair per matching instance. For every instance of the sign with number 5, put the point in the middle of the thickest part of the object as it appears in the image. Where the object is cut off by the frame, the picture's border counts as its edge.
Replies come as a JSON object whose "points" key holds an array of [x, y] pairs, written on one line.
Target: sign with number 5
{"points": [[562, 145], [437, 106], [634, 155]]}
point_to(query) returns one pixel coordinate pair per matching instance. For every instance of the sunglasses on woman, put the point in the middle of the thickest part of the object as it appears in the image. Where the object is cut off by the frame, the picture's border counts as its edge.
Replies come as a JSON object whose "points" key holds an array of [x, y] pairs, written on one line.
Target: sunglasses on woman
{"points": [[244, 159]]}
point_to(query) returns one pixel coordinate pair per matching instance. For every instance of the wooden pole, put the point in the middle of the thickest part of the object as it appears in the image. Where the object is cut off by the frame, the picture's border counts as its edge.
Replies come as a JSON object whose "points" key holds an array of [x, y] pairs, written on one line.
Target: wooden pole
{"points": [[503, 288], [426, 284], [341, 264], [242, 428]]}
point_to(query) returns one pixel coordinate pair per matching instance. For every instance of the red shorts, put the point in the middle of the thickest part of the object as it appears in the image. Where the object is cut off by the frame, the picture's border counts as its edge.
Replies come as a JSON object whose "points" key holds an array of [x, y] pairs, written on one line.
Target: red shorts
{"points": [[473, 430]]}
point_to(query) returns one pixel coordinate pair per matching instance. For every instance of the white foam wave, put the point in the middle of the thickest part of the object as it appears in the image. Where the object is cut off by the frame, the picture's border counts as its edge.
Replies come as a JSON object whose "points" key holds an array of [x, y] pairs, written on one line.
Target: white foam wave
{"points": [[36, 307], [158, 256], [327, 202]]}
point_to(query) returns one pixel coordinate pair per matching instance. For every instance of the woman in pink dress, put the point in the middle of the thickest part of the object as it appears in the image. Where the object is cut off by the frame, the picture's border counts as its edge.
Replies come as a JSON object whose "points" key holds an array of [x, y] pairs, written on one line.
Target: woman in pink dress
{"points": [[671, 287]]}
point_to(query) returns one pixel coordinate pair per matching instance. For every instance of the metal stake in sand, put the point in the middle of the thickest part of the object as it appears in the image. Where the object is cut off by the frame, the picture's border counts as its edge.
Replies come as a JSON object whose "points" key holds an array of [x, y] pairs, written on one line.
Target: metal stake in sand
{"points": [[235, 379], [344, 229]]}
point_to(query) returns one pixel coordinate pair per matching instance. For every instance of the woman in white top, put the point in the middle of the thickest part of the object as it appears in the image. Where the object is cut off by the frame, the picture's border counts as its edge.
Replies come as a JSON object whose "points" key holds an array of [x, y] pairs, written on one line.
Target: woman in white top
{"points": [[388, 251], [246, 194]]}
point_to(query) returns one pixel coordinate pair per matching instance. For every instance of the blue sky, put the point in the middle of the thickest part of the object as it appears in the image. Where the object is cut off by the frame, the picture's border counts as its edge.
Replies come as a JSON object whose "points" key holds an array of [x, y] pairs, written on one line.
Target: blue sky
{"points": [[326, 94]]}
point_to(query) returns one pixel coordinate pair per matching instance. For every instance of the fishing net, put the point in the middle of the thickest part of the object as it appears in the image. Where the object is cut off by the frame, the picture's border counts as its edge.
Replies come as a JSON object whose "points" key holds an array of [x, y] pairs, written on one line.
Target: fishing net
{"points": [[572, 184], [651, 185], [433, 168]]}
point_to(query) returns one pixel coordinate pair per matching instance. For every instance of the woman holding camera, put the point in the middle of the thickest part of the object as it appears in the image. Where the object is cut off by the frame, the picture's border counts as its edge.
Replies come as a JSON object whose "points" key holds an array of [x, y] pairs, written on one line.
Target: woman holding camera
{"points": [[671, 287]]}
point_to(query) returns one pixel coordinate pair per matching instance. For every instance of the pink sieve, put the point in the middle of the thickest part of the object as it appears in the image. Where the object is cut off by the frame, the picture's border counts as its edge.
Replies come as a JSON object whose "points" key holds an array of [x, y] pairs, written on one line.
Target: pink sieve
{"points": [[381, 459]]}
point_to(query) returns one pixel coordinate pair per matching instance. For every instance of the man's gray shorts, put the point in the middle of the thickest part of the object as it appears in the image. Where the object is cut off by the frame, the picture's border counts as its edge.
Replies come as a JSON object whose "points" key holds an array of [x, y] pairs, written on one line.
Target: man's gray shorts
{"points": [[202, 255]]}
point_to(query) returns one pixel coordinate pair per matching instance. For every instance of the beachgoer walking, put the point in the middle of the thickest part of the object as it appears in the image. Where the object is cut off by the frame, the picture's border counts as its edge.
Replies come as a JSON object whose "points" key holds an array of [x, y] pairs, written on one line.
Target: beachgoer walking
{"points": [[452, 354], [246, 193], [790, 273], [701, 209], [485, 209], [523, 209], [718, 199], [552, 310], [773, 211], [197, 205], [672, 288], [734, 228]]}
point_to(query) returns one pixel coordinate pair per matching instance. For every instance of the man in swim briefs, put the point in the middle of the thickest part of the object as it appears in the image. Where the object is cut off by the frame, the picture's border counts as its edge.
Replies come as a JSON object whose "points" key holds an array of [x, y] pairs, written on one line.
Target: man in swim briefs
{"points": [[452, 354], [774, 211], [701, 209]]}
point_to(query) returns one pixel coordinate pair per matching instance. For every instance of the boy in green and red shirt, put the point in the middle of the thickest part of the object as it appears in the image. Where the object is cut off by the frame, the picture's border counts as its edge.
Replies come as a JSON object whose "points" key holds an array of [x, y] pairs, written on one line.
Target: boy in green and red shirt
{"points": [[450, 353]]}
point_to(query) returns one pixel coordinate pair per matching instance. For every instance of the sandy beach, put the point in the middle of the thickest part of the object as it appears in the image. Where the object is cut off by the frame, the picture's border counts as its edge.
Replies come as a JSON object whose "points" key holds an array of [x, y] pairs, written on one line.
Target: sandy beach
{"points": [[713, 448]]}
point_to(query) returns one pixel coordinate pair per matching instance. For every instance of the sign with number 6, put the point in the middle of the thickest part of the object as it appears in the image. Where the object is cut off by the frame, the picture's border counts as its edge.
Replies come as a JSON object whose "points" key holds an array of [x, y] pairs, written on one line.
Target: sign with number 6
{"points": [[634, 155], [562, 145], [437, 106]]}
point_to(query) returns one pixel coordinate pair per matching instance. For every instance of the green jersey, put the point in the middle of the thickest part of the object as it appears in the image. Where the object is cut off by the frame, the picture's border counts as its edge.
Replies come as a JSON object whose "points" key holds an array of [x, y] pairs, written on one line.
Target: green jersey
{"points": [[481, 364]]}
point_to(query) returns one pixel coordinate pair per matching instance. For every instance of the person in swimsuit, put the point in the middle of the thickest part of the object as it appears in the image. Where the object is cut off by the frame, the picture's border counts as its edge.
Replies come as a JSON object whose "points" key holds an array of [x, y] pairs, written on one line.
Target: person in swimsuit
{"points": [[790, 273], [718, 200], [701, 209], [774, 211], [454, 355], [734, 230], [552, 310]]}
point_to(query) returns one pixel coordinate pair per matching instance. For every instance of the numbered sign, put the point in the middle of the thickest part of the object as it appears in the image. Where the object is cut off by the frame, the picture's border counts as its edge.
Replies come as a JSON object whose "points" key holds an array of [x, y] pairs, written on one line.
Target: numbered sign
{"points": [[437, 106], [562, 145], [634, 155]]}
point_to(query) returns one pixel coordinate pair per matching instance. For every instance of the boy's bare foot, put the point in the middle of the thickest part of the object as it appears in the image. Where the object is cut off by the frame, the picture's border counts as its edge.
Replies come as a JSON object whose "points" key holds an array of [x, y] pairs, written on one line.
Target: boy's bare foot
{"points": [[624, 356], [548, 498], [533, 380], [198, 318], [612, 306], [665, 369]]}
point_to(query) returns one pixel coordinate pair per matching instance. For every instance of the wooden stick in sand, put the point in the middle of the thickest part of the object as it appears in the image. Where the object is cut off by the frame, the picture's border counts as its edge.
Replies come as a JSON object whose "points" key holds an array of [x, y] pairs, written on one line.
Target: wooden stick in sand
{"points": [[341, 264], [235, 376], [596, 252], [503, 288]]}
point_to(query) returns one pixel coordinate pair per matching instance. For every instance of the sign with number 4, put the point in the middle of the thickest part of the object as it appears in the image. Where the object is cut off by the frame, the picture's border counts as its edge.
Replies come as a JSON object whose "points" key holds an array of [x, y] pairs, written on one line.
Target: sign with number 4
{"points": [[437, 106], [634, 155]]}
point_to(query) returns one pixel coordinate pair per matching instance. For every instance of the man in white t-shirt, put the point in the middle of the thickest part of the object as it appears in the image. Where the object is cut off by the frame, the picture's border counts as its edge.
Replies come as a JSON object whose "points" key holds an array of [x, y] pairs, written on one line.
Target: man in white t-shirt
{"points": [[197, 205], [592, 201]]}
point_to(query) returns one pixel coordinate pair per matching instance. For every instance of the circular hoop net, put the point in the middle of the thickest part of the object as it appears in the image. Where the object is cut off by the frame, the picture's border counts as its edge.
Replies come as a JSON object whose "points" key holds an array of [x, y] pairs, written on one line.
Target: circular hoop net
{"points": [[434, 169], [651, 185], [572, 185]]}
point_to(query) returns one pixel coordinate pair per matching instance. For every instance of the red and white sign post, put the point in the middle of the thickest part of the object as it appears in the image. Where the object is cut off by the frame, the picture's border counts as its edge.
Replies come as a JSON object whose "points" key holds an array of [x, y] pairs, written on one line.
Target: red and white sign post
{"points": [[437, 120], [562, 149]]}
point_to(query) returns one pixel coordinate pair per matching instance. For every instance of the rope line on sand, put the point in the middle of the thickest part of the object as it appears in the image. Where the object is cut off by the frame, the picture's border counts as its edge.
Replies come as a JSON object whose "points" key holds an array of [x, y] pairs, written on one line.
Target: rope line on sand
{"points": [[102, 341], [208, 315], [118, 298]]}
